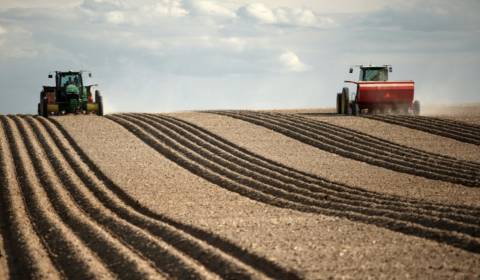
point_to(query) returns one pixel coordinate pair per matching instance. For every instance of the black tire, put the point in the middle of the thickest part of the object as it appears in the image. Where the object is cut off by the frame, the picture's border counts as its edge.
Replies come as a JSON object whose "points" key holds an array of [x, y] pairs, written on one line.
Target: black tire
{"points": [[355, 108], [416, 108], [43, 105], [339, 103], [345, 101], [99, 102]]}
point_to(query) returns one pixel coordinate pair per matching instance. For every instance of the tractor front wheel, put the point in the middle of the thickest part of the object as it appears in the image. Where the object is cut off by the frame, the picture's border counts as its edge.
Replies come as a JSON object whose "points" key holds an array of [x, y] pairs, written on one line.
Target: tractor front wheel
{"points": [[99, 101]]}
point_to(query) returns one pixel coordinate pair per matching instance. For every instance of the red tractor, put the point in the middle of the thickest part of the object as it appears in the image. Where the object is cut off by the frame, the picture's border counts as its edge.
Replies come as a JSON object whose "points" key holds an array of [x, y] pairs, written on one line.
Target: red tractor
{"points": [[377, 95]]}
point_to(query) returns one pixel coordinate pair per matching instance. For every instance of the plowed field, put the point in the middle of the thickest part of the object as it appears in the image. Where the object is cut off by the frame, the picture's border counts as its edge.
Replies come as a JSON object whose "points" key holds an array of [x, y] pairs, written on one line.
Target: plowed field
{"points": [[239, 194]]}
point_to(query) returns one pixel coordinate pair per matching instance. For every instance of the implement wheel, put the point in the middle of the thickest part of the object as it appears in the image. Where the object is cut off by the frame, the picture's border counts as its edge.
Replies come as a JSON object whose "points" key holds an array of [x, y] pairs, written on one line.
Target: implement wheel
{"points": [[416, 108], [355, 109]]}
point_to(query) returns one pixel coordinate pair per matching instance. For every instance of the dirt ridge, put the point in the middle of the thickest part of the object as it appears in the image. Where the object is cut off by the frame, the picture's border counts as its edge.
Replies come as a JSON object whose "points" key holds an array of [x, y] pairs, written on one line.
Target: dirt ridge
{"points": [[44, 214], [304, 132], [309, 183], [249, 182], [392, 147], [27, 256], [142, 245], [464, 132], [218, 255]]}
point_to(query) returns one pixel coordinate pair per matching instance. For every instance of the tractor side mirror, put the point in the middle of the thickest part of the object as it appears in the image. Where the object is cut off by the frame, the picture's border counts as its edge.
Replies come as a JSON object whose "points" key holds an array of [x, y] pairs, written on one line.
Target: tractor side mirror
{"points": [[50, 76], [390, 69], [350, 70], [89, 75]]}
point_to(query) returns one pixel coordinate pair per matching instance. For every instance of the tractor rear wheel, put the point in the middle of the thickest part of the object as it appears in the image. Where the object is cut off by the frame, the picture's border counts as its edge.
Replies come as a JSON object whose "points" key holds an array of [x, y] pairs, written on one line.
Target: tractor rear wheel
{"points": [[416, 108], [339, 103], [99, 101], [345, 101], [43, 105]]}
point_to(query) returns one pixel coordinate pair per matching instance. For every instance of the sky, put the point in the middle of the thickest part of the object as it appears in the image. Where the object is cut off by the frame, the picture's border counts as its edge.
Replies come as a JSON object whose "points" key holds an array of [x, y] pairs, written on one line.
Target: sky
{"points": [[174, 55]]}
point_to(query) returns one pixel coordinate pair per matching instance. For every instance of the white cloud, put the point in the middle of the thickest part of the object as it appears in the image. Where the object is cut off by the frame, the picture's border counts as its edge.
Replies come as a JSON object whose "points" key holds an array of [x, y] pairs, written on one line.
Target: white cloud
{"points": [[115, 17], [260, 12], [292, 63], [284, 16], [205, 7], [2, 30], [134, 13], [172, 8]]}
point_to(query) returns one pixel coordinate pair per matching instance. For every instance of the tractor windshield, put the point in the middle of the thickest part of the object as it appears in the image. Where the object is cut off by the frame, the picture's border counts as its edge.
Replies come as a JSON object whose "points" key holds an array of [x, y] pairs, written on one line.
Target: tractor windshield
{"points": [[67, 79], [374, 74]]}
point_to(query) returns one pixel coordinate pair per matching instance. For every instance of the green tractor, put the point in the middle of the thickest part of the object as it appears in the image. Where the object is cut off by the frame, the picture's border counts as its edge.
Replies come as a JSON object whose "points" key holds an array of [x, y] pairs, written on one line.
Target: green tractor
{"points": [[69, 95]]}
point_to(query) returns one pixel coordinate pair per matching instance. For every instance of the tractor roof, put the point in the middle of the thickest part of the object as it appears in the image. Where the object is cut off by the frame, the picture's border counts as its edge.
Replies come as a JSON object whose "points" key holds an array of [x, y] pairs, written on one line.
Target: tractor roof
{"points": [[373, 66], [71, 72]]}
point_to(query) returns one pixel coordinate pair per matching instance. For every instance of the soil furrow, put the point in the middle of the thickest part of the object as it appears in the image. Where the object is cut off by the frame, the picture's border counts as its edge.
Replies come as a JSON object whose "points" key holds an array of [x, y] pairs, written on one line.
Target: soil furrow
{"points": [[448, 128], [26, 255], [399, 149], [445, 131], [175, 267], [312, 198], [463, 128], [319, 190], [341, 210], [143, 132], [214, 260], [468, 128], [310, 179], [60, 243], [143, 244], [345, 141], [350, 152], [118, 198], [110, 251]]}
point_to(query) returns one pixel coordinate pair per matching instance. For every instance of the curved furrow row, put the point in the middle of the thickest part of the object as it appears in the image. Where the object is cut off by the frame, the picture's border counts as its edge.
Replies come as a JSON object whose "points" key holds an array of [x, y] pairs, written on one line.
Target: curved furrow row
{"points": [[247, 181], [453, 129], [152, 251], [359, 144], [379, 146], [195, 252], [231, 156], [26, 254], [331, 143], [388, 146], [306, 180], [458, 125], [86, 236], [62, 245], [462, 132], [233, 163]]}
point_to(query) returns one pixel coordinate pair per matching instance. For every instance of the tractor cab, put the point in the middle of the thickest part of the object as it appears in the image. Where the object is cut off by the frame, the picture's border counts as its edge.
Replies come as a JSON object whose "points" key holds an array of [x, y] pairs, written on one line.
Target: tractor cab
{"points": [[64, 80], [373, 73]]}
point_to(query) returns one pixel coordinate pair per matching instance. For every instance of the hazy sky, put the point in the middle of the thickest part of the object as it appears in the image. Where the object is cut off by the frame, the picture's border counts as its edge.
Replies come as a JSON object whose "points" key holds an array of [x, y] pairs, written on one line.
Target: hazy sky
{"points": [[170, 55]]}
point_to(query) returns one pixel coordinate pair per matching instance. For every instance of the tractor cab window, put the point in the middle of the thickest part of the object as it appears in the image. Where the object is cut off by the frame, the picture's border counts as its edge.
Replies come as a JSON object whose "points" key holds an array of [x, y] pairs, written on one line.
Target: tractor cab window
{"points": [[374, 74], [67, 79]]}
